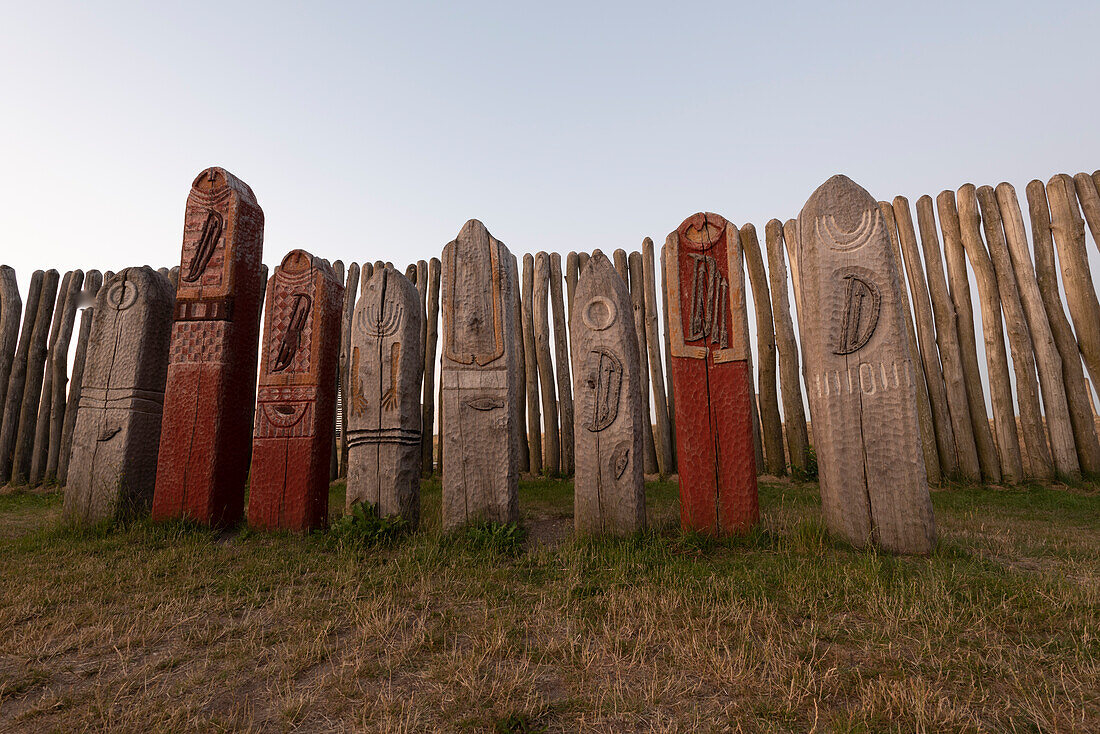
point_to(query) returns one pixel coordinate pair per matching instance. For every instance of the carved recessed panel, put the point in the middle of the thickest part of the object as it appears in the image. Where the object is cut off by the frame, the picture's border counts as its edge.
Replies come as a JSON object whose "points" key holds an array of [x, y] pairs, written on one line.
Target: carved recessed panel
{"points": [[604, 383], [862, 301]]}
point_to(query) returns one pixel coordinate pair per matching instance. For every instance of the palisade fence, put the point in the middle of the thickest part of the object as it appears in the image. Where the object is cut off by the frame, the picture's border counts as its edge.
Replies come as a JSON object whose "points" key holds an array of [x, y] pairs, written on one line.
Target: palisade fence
{"points": [[1044, 422]]}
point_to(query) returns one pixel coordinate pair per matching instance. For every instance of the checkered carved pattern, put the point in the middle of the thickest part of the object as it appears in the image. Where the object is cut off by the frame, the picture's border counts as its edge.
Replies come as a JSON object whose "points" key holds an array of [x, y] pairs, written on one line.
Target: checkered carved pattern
{"points": [[198, 341]]}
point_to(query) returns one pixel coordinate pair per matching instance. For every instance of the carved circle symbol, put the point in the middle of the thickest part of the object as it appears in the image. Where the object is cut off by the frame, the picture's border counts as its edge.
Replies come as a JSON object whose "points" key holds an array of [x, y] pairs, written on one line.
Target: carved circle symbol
{"points": [[122, 295], [599, 313]]}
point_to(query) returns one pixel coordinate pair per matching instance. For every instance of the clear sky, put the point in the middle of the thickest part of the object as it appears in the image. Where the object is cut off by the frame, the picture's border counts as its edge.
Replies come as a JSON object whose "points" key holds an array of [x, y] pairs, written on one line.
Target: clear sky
{"points": [[373, 131]]}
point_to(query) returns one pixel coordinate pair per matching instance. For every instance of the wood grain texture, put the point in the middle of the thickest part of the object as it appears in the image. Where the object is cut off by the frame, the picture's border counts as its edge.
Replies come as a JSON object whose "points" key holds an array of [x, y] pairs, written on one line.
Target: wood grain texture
{"points": [[1069, 236], [530, 363], [622, 264], [670, 394], [520, 406], [711, 376], [1089, 198], [431, 359], [790, 383], [924, 407], [637, 300], [1078, 398], [1047, 360], [551, 435], [351, 289], [861, 373], [1040, 464], [663, 433], [768, 400], [32, 390], [210, 396], [572, 272], [947, 342], [926, 339], [609, 489], [955, 258], [385, 420], [561, 366], [13, 400], [69, 292], [296, 398], [116, 436], [480, 435], [59, 369], [1000, 385], [93, 281], [11, 308]]}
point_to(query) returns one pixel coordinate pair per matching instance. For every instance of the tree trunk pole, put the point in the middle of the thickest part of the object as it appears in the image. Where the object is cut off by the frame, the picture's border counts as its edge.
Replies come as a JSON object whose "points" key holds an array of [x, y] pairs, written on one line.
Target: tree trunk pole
{"points": [[427, 415], [926, 338], [69, 291], [790, 381], [1000, 383], [663, 435], [93, 281], [13, 401], [1078, 398], [670, 393], [637, 302], [563, 365], [350, 289], [59, 363], [925, 422], [520, 407], [32, 392], [955, 258], [572, 272], [551, 455], [1023, 355], [335, 454], [1047, 359], [1089, 197], [11, 307], [622, 265], [768, 400], [947, 340], [1069, 236], [534, 429]]}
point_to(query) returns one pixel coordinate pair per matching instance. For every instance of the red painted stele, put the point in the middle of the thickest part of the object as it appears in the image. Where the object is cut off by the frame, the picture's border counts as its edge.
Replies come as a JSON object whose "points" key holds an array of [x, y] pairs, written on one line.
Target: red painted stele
{"points": [[711, 378], [296, 404], [206, 434]]}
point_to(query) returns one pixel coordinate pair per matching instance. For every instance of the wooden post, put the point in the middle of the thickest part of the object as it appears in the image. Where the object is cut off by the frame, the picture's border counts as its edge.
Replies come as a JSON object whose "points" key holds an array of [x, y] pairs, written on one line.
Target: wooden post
{"points": [[351, 287], [534, 429], [955, 259], [572, 272], [32, 391], [1000, 385], [637, 302], [561, 355], [59, 363], [173, 277], [771, 423], [1090, 203], [92, 283], [670, 393], [427, 416], [929, 447], [663, 435], [11, 306], [337, 463], [790, 382], [622, 264], [69, 291], [551, 455], [926, 338], [1069, 236], [520, 406], [1023, 356], [790, 241], [582, 260], [1047, 360], [17, 380], [947, 341], [1078, 398]]}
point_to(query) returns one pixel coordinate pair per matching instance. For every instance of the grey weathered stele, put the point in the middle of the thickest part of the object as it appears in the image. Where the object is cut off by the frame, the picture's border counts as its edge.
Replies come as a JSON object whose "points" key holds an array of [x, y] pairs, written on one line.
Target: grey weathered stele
{"points": [[860, 373], [383, 404], [609, 489], [480, 436], [113, 465]]}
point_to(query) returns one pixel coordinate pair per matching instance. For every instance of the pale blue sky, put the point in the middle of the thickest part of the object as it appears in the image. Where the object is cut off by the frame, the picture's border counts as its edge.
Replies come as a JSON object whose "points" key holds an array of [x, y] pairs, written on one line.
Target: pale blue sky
{"points": [[374, 131]]}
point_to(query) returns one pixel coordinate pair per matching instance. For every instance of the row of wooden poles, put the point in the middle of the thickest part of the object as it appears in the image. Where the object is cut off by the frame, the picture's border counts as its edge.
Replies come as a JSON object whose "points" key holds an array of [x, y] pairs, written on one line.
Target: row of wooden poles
{"points": [[1018, 294]]}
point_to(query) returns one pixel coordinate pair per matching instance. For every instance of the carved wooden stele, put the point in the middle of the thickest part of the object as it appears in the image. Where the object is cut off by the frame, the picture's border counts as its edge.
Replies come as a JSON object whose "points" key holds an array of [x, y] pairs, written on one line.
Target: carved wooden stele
{"points": [[384, 415], [113, 464], [711, 378], [206, 438], [480, 432], [296, 400], [609, 488], [860, 374]]}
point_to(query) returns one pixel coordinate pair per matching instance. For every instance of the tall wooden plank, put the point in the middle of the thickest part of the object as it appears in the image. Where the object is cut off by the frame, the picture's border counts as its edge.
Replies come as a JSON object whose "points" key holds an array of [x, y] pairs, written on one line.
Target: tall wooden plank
{"points": [[59, 369], [663, 433], [520, 406], [32, 390], [93, 281], [431, 355], [562, 367], [637, 300], [17, 380], [790, 383], [11, 307], [530, 363]]}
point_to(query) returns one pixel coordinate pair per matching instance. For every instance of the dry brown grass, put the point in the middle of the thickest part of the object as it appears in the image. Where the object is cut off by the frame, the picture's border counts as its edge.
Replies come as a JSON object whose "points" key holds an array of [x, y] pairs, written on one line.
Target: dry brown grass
{"points": [[148, 628]]}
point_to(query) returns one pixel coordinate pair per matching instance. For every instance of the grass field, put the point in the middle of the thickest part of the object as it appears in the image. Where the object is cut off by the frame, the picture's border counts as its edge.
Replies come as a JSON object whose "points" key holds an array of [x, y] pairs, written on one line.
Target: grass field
{"points": [[173, 628]]}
